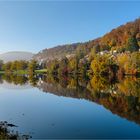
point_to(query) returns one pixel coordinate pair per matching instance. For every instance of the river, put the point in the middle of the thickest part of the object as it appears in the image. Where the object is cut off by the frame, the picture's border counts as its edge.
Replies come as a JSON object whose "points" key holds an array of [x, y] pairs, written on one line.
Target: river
{"points": [[46, 107]]}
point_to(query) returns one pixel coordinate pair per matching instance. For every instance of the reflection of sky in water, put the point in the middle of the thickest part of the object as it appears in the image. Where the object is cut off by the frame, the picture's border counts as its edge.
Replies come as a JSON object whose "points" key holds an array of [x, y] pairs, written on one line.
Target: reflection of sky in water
{"points": [[6, 85], [48, 116]]}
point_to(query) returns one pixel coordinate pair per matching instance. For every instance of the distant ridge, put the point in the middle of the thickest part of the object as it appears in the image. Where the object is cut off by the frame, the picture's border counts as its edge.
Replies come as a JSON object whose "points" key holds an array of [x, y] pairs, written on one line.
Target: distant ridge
{"points": [[16, 55]]}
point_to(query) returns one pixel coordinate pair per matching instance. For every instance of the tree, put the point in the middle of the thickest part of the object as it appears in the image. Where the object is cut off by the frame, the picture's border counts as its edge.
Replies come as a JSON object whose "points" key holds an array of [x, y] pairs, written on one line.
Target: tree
{"points": [[100, 65], [32, 66], [72, 65], [7, 66], [13, 66], [52, 67], [83, 67], [1, 64], [138, 38], [63, 66], [129, 63], [132, 44]]}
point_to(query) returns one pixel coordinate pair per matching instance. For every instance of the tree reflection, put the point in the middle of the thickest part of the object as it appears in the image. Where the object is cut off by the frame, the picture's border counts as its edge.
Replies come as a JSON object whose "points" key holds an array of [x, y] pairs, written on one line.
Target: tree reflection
{"points": [[33, 79], [121, 97], [14, 79], [129, 86]]}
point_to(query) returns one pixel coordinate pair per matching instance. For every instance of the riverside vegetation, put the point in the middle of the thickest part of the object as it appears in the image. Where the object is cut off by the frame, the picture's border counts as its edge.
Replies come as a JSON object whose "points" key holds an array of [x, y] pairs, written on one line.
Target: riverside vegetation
{"points": [[115, 54], [105, 71], [7, 133]]}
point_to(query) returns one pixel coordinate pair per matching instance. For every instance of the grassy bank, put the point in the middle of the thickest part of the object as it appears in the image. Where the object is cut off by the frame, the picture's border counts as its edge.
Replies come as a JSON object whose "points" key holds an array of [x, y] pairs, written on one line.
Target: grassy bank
{"points": [[20, 72], [1, 72], [41, 71]]}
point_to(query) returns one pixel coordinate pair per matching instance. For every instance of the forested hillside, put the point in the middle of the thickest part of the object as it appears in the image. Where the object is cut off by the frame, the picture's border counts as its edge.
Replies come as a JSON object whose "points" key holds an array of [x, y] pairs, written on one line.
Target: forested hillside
{"points": [[124, 38], [115, 54]]}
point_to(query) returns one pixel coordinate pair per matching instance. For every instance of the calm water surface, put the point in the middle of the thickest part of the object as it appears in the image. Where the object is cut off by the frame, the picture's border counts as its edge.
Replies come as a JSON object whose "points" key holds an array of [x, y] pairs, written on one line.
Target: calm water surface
{"points": [[68, 108]]}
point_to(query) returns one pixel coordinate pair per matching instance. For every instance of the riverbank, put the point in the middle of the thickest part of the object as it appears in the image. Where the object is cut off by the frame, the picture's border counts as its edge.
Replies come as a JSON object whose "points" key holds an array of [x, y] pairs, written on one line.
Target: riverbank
{"points": [[21, 72], [2, 72]]}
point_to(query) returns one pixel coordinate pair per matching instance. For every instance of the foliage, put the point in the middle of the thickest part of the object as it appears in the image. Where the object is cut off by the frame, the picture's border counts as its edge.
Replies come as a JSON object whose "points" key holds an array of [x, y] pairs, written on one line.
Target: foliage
{"points": [[1, 65], [32, 67], [129, 63], [100, 64], [124, 38], [132, 44]]}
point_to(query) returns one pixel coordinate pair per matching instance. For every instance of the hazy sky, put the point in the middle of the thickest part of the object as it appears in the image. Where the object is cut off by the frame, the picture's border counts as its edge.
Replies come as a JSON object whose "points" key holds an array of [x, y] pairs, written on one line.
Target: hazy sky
{"points": [[33, 26]]}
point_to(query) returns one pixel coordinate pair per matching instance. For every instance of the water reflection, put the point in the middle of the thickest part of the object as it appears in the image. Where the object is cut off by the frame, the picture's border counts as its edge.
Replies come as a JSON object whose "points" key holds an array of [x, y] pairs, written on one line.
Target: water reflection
{"points": [[14, 79], [120, 96]]}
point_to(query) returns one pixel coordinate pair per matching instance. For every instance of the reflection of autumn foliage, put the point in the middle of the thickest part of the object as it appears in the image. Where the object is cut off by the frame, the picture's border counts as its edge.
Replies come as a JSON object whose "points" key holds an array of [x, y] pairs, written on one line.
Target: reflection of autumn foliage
{"points": [[99, 83], [33, 79], [72, 83], [124, 106], [121, 98], [101, 91], [73, 87], [15, 79], [129, 86]]}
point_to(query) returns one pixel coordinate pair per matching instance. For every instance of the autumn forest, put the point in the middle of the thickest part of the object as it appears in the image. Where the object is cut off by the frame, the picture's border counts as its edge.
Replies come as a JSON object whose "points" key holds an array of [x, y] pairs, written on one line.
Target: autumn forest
{"points": [[115, 54]]}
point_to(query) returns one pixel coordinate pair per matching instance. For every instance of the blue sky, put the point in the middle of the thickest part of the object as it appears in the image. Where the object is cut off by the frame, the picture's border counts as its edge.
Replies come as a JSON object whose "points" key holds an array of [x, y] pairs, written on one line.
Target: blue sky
{"points": [[36, 25]]}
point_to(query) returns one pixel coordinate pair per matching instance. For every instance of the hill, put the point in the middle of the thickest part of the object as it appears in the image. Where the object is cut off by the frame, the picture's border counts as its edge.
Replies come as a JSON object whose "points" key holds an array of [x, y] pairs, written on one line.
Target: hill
{"points": [[12, 56], [124, 38]]}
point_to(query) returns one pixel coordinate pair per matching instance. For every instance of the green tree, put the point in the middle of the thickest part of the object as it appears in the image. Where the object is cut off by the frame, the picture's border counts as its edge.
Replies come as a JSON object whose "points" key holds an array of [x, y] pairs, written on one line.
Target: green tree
{"points": [[7, 66], [32, 66], [13, 66], [53, 67], [132, 44], [1, 64]]}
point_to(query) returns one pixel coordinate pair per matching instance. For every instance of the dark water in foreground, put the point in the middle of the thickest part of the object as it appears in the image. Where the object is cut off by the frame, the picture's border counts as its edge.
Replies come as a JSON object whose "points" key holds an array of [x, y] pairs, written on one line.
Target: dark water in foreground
{"points": [[47, 107]]}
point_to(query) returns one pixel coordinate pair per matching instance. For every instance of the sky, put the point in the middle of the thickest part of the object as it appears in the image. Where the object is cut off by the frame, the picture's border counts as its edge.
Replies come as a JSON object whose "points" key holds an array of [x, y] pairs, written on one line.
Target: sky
{"points": [[36, 25]]}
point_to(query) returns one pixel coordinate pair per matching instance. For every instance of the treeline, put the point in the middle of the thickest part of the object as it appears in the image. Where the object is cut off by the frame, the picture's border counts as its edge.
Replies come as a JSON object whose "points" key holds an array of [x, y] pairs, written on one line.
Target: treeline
{"points": [[116, 53], [76, 65], [105, 65], [120, 64], [16, 66]]}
